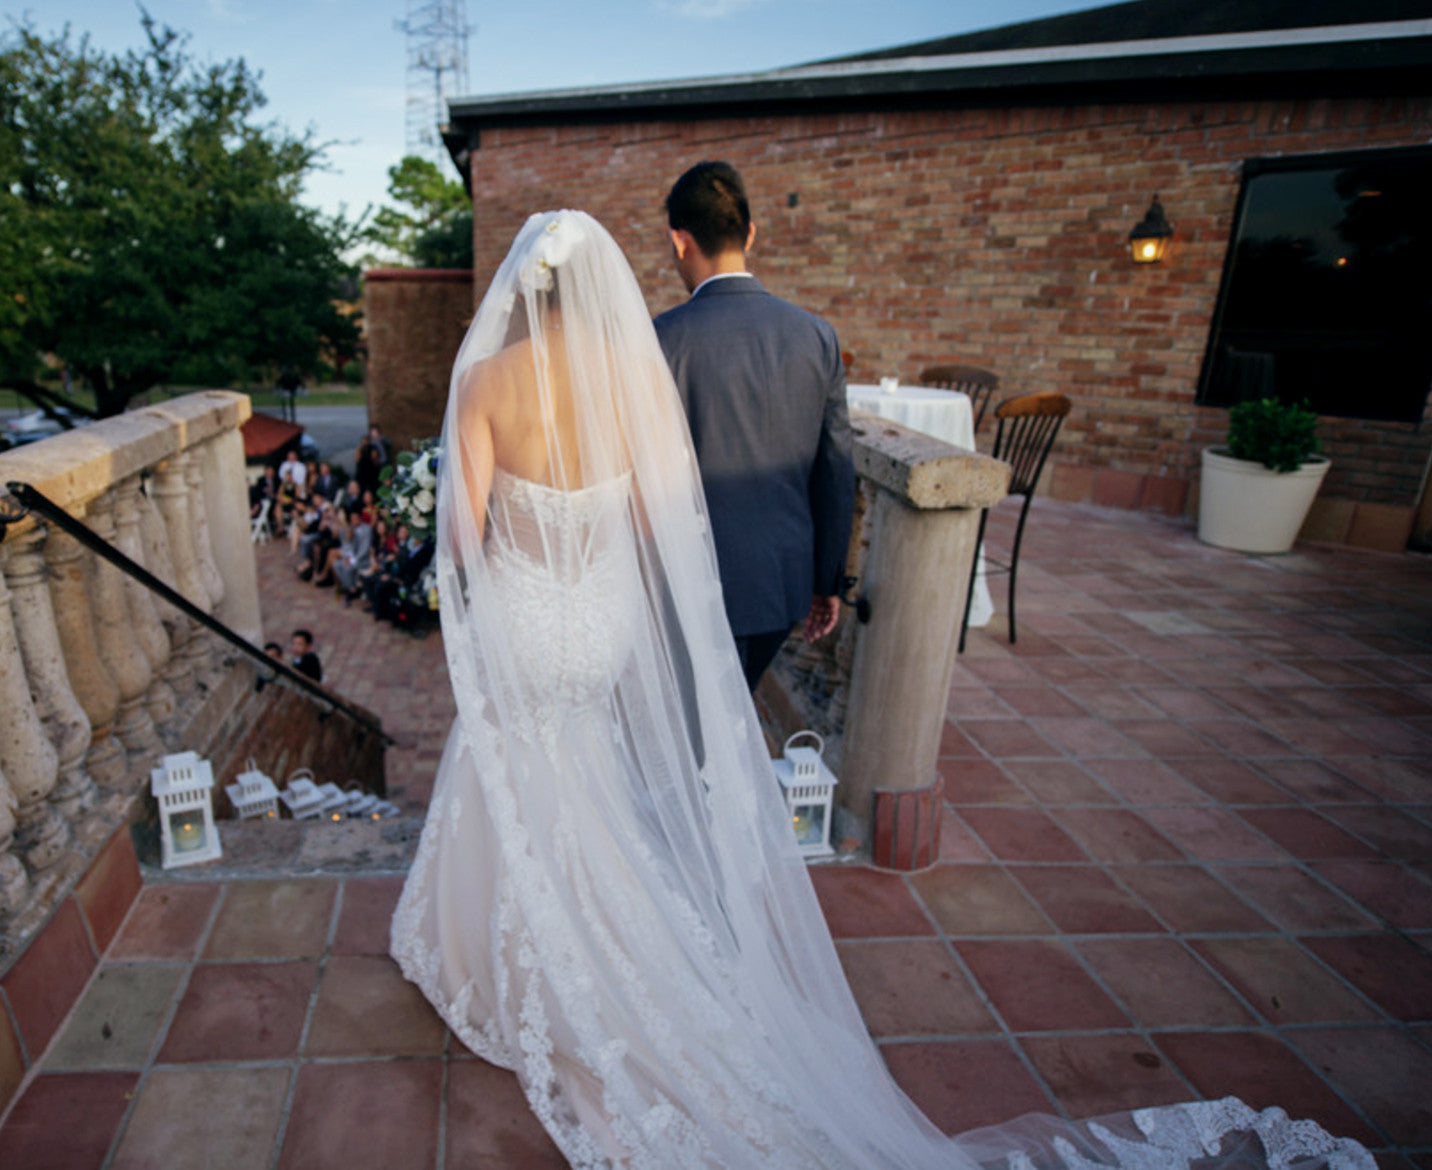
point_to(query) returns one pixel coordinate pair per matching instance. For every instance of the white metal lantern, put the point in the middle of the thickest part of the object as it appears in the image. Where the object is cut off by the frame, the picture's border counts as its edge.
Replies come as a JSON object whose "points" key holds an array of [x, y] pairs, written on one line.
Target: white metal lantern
{"points": [[335, 801], [809, 788], [302, 797], [253, 795], [182, 787]]}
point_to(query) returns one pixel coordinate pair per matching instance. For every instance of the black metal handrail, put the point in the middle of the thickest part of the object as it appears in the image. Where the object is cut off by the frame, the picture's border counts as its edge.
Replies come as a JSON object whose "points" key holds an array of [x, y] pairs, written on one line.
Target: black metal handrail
{"points": [[36, 501]]}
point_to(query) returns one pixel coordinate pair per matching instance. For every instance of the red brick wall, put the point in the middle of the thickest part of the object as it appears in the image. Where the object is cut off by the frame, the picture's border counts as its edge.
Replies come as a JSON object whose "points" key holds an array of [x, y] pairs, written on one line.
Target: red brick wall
{"points": [[990, 236], [415, 320]]}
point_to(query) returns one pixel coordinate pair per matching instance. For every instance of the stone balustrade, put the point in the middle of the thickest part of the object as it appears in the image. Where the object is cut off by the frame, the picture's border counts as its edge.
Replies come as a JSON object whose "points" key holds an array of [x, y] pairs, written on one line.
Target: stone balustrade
{"points": [[98, 677], [876, 691]]}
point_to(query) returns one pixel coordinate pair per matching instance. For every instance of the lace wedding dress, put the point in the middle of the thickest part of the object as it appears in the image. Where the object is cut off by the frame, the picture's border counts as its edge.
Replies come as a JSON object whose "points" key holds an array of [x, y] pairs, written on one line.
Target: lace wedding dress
{"points": [[607, 898]]}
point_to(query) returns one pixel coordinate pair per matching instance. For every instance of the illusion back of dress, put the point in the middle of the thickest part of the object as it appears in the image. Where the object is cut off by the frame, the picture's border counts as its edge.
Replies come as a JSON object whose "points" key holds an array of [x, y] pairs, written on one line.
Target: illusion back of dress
{"points": [[560, 565]]}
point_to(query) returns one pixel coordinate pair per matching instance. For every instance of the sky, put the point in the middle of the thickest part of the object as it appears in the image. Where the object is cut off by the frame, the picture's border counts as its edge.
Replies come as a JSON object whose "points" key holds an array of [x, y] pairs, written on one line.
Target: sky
{"points": [[338, 68]]}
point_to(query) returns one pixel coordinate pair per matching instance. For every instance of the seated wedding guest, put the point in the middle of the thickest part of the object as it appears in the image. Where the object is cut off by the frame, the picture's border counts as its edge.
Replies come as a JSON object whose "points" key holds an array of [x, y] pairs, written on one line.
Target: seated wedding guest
{"points": [[315, 545], [328, 482], [351, 498], [350, 557], [385, 537], [301, 655], [296, 470], [369, 509], [285, 502], [306, 515], [401, 579]]}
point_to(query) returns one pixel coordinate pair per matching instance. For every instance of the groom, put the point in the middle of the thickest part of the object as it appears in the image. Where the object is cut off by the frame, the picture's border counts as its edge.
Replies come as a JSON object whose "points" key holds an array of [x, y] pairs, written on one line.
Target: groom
{"points": [[764, 389]]}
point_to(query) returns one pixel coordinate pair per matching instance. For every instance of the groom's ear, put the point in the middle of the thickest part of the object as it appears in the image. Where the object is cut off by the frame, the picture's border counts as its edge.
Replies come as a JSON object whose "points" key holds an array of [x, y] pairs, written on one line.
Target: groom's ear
{"points": [[751, 236], [682, 242]]}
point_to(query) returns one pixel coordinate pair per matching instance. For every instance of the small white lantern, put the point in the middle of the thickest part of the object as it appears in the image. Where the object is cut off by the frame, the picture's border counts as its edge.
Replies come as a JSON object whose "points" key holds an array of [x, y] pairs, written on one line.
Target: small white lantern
{"points": [[360, 803], [809, 787], [182, 784], [302, 797], [335, 801], [253, 795]]}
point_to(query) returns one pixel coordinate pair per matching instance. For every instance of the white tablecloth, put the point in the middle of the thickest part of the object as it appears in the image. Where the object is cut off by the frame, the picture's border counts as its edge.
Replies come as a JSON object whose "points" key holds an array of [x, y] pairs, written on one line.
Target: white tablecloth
{"points": [[945, 414]]}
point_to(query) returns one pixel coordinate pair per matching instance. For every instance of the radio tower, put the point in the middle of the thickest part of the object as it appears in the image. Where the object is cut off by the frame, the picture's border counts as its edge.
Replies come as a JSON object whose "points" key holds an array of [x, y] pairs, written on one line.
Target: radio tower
{"points": [[437, 32]]}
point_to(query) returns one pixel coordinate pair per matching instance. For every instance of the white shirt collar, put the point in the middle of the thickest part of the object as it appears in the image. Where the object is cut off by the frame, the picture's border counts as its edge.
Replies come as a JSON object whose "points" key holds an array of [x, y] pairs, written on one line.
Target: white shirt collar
{"points": [[721, 276]]}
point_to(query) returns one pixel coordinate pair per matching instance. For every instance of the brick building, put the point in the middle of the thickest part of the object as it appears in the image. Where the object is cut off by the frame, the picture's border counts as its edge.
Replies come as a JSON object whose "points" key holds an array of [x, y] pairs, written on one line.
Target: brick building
{"points": [[970, 199]]}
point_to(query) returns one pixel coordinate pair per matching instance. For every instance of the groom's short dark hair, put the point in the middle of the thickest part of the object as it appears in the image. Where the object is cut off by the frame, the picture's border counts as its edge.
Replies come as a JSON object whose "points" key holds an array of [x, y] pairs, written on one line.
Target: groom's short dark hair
{"points": [[709, 201]]}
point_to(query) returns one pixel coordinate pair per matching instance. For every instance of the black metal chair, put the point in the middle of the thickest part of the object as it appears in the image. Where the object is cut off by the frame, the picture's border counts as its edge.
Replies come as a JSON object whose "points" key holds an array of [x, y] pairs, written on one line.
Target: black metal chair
{"points": [[979, 384], [1028, 426]]}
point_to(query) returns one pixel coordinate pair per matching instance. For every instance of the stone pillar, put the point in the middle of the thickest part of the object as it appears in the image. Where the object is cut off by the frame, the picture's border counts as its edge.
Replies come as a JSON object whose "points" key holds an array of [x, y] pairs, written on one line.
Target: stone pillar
{"points": [[55, 703], [27, 757], [226, 504], [118, 644], [922, 527], [148, 629], [176, 671], [171, 495], [93, 685], [14, 884]]}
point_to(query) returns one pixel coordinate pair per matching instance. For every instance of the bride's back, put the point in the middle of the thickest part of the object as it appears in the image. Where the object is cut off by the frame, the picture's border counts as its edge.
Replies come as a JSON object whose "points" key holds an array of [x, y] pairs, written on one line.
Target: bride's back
{"points": [[530, 414]]}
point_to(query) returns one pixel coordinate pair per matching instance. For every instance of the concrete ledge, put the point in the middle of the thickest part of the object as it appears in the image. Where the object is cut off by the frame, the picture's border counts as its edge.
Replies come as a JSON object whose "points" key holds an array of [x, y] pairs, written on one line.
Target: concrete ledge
{"points": [[924, 471], [74, 468]]}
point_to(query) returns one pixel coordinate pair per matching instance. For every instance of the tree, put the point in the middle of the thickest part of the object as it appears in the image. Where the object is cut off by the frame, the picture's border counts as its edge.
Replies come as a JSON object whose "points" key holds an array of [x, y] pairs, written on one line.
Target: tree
{"points": [[150, 228], [433, 228]]}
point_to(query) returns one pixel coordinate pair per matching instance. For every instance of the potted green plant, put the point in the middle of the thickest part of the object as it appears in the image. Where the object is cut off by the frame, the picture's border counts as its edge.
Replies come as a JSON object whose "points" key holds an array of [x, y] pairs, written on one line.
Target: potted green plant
{"points": [[1256, 490]]}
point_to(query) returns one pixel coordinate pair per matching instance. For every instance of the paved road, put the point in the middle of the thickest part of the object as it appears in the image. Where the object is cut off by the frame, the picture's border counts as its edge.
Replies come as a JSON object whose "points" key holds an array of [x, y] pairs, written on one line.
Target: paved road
{"points": [[336, 429]]}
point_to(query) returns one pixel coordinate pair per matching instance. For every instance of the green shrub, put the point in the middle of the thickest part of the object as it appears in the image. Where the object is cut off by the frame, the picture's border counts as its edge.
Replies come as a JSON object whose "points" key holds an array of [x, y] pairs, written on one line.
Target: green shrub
{"points": [[1282, 436], [353, 373]]}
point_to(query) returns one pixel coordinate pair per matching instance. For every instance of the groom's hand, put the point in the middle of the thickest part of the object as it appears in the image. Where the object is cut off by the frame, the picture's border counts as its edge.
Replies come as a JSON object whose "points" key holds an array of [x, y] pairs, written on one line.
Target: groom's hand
{"points": [[821, 618]]}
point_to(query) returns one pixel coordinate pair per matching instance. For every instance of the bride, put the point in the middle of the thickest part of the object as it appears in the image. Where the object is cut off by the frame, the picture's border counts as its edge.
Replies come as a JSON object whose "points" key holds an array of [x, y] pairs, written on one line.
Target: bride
{"points": [[607, 897]]}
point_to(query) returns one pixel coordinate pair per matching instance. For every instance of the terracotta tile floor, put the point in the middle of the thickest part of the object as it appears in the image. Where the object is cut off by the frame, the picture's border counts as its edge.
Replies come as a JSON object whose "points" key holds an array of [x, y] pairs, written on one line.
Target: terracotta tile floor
{"points": [[1187, 852]]}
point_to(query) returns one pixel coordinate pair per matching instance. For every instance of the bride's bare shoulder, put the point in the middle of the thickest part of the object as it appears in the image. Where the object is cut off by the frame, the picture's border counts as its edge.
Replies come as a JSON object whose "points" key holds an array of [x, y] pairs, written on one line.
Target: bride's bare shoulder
{"points": [[493, 382]]}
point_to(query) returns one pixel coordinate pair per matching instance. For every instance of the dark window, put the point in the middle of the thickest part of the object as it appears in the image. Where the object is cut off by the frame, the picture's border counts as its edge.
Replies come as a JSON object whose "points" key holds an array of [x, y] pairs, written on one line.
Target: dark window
{"points": [[1327, 288]]}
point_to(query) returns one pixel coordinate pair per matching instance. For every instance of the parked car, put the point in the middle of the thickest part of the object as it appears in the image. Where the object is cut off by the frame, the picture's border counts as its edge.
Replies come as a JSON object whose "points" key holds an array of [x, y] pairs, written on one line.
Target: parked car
{"points": [[35, 425]]}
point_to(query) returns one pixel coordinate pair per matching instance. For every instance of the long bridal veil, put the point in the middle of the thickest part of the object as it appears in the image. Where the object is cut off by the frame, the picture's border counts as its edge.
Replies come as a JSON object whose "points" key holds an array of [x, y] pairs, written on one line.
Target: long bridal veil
{"points": [[607, 896]]}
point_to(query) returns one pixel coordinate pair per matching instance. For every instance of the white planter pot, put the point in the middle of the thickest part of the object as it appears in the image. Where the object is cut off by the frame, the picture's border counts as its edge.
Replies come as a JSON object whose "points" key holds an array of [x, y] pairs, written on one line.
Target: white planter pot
{"points": [[1244, 506]]}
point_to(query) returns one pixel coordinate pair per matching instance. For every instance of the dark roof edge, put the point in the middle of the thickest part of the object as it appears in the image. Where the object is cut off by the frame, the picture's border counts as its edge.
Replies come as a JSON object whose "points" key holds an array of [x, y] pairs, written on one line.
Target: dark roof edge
{"points": [[1390, 47]]}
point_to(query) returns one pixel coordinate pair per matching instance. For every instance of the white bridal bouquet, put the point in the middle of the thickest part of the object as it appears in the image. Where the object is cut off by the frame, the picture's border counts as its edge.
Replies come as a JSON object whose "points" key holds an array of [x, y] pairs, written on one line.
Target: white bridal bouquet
{"points": [[408, 488]]}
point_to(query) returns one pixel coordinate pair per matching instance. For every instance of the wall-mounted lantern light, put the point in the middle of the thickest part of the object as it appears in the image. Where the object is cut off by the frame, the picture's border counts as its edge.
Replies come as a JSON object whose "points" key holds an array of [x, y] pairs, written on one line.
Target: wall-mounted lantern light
{"points": [[1149, 239]]}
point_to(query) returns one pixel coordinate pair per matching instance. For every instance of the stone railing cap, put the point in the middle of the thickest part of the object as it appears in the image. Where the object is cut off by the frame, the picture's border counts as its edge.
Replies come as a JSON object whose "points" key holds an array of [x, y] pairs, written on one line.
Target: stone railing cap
{"points": [[925, 471], [75, 467]]}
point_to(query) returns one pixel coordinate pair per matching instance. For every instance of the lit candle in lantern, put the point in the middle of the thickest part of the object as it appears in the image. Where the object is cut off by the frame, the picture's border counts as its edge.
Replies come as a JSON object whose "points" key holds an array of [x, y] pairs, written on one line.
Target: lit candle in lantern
{"points": [[187, 833]]}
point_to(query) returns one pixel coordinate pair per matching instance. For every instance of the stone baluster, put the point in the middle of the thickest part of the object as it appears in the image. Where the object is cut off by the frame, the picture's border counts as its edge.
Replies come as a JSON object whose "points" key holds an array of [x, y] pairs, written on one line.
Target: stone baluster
{"points": [[171, 495], [90, 679], [55, 703], [177, 672], [118, 644], [148, 629], [14, 883], [192, 462], [27, 757]]}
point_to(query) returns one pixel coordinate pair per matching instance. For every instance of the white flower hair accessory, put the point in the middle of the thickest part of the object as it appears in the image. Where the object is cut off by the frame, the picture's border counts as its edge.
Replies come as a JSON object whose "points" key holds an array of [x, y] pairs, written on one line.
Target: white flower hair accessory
{"points": [[553, 248]]}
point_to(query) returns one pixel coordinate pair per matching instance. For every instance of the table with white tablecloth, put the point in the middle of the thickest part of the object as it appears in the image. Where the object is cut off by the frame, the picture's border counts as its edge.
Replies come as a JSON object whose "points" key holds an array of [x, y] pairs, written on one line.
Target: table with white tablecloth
{"points": [[945, 414]]}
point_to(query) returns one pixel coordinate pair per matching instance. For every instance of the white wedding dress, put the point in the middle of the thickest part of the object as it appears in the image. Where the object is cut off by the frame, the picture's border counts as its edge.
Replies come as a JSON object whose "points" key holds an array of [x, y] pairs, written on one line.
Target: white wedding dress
{"points": [[607, 897]]}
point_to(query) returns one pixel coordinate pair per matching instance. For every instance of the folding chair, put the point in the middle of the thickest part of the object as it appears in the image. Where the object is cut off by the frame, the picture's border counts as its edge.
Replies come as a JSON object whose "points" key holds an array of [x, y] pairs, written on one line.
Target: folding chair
{"points": [[979, 384], [1028, 426], [259, 529]]}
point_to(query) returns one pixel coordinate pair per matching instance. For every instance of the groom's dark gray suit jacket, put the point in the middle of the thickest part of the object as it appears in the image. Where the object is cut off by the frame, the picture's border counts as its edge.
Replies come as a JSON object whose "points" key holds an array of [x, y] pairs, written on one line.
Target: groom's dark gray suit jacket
{"points": [[764, 389]]}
